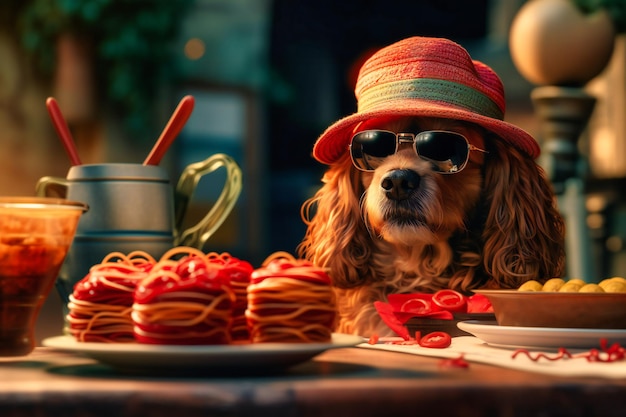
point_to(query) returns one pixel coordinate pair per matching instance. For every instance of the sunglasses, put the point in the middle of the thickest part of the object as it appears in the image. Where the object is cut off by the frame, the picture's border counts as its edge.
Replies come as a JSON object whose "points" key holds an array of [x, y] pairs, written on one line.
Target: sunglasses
{"points": [[448, 152]]}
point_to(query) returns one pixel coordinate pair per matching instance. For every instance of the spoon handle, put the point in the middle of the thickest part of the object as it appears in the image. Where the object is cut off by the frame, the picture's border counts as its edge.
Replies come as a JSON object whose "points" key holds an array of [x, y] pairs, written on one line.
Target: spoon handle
{"points": [[171, 131], [63, 131]]}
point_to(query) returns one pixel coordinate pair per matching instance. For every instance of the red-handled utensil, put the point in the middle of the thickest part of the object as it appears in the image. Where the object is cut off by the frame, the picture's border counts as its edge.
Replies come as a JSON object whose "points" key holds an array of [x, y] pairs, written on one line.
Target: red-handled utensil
{"points": [[63, 131], [171, 131]]}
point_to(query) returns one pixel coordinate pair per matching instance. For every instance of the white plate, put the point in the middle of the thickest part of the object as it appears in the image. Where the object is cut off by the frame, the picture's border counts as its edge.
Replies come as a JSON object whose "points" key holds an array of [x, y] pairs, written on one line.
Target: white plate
{"points": [[540, 337], [137, 357]]}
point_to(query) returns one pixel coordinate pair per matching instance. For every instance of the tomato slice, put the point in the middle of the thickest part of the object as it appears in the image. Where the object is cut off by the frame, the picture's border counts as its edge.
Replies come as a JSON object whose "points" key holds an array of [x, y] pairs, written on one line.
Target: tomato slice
{"points": [[417, 305], [437, 340], [450, 300], [385, 311], [479, 303]]}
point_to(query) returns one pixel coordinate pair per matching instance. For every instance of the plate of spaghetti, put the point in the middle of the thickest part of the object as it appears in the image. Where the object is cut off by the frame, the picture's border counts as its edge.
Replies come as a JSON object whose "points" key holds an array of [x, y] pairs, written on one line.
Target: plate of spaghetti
{"points": [[193, 359]]}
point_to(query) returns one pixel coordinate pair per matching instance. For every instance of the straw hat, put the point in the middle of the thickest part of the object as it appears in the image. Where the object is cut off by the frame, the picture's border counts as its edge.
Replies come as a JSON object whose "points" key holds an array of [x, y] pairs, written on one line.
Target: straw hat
{"points": [[429, 77]]}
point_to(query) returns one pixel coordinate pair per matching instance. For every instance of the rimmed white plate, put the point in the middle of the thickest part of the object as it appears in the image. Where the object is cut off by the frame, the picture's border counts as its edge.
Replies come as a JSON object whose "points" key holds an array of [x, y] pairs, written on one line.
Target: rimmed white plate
{"points": [[540, 337], [133, 357]]}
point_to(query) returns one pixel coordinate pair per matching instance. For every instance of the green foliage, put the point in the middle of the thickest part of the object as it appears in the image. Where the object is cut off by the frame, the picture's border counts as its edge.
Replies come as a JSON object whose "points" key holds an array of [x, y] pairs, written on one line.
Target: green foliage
{"points": [[616, 9], [132, 42]]}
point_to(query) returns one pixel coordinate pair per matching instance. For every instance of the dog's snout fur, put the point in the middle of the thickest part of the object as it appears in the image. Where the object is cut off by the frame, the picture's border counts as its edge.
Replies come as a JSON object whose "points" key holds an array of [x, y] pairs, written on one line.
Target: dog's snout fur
{"points": [[399, 184]]}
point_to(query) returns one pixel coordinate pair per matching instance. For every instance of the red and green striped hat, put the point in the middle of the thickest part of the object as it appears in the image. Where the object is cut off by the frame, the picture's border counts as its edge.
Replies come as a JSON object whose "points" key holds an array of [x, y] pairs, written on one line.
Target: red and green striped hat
{"points": [[427, 77]]}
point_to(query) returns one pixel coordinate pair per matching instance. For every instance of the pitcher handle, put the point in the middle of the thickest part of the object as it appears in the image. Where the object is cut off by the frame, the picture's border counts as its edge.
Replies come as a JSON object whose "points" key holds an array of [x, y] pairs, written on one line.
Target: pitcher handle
{"points": [[196, 236], [51, 187]]}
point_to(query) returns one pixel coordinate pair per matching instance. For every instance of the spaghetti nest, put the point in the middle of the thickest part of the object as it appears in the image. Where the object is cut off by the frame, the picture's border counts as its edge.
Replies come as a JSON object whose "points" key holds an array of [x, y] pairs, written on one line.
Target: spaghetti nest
{"points": [[186, 299], [290, 300], [100, 306]]}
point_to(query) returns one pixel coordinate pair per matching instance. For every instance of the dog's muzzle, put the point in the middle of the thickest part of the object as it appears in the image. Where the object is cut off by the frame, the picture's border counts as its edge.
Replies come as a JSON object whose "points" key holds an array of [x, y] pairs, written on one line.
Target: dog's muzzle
{"points": [[399, 184]]}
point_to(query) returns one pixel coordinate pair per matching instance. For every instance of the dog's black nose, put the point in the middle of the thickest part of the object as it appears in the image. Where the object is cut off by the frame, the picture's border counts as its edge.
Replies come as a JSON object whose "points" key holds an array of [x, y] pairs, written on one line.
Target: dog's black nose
{"points": [[400, 183]]}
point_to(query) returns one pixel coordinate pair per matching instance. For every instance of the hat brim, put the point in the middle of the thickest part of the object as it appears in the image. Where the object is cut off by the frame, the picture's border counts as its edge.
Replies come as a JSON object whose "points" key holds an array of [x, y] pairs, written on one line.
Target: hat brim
{"points": [[332, 144]]}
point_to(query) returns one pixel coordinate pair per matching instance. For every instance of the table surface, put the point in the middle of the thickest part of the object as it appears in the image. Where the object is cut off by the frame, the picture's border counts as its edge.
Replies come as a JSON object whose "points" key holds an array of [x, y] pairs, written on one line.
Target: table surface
{"points": [[340, 382]]}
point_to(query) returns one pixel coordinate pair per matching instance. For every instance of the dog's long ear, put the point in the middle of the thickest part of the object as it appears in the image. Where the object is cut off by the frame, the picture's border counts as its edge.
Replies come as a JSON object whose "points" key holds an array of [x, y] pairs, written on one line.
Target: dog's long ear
{"points": [[336, 236], [524, 232]]}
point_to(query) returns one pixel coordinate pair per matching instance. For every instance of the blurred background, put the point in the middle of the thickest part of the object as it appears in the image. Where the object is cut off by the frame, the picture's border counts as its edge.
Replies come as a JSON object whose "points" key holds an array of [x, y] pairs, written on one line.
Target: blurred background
{"points": [[268, 77]]}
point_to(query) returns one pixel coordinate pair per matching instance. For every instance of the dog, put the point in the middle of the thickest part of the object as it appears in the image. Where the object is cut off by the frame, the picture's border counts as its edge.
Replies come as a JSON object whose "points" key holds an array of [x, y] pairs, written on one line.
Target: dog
{"points": [[405, 223]]}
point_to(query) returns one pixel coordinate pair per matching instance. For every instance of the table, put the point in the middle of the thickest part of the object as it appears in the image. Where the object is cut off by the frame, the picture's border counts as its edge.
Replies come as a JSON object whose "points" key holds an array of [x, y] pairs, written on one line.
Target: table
{"points": [[340, 382]]}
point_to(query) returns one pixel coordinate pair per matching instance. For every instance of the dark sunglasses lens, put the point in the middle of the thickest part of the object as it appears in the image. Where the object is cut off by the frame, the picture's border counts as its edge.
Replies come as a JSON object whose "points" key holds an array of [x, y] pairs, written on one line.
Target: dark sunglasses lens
{"points": [[369, 148], [447, 150], [376, 143]]}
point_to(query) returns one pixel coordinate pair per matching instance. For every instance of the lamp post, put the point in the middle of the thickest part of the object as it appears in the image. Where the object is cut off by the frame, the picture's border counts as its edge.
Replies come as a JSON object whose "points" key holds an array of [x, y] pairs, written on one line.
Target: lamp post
{"points": [[558, 47]]}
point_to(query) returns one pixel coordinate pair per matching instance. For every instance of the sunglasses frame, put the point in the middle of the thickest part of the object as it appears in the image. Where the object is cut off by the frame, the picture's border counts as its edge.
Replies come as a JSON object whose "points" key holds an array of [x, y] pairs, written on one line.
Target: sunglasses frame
{"points": [[410, 138]]}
